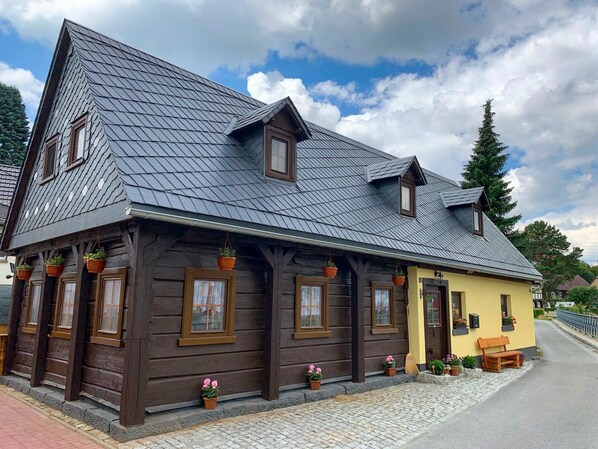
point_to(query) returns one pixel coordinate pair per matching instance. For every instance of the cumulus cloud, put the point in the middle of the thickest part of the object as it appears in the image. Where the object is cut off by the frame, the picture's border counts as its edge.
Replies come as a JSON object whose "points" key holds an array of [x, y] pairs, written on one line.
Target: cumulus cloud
{"points": [[30, 87]]}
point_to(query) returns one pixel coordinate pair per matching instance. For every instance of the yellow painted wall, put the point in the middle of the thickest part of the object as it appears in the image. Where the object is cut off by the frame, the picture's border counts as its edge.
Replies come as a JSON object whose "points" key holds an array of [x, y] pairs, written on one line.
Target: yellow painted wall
{"points": [[480, 295]]}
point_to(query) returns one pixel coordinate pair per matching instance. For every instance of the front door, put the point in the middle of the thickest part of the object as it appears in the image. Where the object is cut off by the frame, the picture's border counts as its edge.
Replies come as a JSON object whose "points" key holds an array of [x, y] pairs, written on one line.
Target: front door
{"points": [[435, 322]]}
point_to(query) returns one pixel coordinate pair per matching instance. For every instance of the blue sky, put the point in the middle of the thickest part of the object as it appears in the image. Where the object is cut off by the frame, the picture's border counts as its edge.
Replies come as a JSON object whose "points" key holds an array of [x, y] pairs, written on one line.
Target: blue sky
{"points": [[408, 77]]}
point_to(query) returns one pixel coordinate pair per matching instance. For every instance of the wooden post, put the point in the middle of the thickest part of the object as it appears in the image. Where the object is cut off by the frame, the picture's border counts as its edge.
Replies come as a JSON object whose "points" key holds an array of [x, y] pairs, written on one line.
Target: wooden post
{"points": [[277, 259], [143, 249], [16, 304], [74, 368], [358, 269], [41, 334]]}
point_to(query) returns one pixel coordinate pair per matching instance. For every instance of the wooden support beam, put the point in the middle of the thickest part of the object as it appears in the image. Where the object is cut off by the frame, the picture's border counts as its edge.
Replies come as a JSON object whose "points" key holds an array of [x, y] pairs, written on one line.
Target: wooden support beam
{"points": [[16, 304], [40, 345], [74, 368], [277, 259], [358, 269]]}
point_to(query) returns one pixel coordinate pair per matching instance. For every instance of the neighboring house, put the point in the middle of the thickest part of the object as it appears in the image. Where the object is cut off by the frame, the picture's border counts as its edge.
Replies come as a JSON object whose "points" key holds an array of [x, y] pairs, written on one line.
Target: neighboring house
{"points": [[594, 282], [162, 167], [9, 175], [562, 290]]}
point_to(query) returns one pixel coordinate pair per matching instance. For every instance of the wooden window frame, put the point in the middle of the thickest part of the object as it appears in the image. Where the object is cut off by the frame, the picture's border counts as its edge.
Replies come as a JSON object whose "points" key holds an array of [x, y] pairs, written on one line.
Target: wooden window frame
{"points": [[57, 331], [314, 332], [54, 140], [98, 336], [411, 186], [475, 208], [32, 328], [226, 336], [291, 141], [384, 328], [81, 122], [461, 307]]}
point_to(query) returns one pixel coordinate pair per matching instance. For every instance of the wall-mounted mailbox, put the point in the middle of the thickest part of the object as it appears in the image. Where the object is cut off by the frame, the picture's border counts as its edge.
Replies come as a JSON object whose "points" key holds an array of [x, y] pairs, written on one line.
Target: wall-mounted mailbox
{"points": [[474, 321]]}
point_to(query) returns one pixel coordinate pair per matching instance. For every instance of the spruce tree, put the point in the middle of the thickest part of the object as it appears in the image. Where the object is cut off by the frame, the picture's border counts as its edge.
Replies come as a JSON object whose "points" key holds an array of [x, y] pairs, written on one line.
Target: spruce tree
{"points": [[486, 169], [14, 131]]}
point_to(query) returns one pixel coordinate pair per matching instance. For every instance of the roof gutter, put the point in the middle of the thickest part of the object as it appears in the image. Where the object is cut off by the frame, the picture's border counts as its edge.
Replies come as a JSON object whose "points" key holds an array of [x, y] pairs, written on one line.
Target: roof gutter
{"points": [[207, 223]]}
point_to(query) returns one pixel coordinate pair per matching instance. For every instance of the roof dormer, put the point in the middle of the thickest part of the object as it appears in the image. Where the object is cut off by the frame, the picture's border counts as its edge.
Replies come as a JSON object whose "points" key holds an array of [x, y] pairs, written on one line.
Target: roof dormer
{"points": [[271, 134], [468, 206], [396, 180]]}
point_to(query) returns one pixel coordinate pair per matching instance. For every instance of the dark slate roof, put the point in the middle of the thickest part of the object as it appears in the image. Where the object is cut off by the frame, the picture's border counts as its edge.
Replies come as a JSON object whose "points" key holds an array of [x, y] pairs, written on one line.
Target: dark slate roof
{"points": [[577, 281], [393, 168], [264, 114], [166, 129], [9, 175], [464, 197]]}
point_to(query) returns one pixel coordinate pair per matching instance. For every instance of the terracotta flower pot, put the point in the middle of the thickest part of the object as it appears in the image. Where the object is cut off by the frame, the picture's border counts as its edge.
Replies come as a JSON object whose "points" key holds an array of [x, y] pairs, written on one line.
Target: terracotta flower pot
{"points": [[398, 280], [315, 384], [447, 371], [390, 372], [226, 263], [210, 403], [54, 271], [24, 275], [329, 272], [454, 370], [95, 265]]}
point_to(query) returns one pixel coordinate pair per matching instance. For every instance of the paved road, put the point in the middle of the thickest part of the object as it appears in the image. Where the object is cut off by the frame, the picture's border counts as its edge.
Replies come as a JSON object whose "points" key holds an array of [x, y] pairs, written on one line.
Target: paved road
{"points": [[553, 406]]}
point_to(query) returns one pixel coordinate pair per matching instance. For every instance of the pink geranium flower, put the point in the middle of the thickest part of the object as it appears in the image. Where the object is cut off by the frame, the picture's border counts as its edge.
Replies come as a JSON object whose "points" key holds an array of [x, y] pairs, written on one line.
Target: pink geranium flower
{"points": [[214, 383], [312, 367]]}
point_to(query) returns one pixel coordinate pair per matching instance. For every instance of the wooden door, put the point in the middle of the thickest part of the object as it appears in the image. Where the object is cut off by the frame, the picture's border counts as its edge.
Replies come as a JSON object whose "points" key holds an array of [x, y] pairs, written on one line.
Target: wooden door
{"points": [[435, 323]]}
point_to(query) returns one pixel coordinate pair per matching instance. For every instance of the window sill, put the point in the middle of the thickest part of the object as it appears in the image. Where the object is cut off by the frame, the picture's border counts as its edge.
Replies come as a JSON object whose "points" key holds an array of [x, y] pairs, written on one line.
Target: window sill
{"points": [[29, 330], [509, 327], [381, 330], [461, 331], [48, 179], [74, 164], [315, 334], [61, 334], [114, 342], [217, 340]]}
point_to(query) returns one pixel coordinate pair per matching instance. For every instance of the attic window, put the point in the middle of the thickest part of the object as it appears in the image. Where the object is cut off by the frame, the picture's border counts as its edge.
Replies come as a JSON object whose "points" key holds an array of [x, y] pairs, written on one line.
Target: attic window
{"points": [[77, 146], [280, 154], [49, 169], [478, 224], [407, 198]]}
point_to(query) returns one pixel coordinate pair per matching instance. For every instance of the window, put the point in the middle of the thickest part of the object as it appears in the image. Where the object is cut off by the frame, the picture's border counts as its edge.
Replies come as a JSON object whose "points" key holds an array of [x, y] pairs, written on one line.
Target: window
{"points": [[77, 146], [280, 154], [478, 224], [459, 321], [505, 312], [33, 303], [383, 308], [433, 315], [407, 197], [107, 323], [63, 318], [311, 308], [208, 307], [49, 167]]}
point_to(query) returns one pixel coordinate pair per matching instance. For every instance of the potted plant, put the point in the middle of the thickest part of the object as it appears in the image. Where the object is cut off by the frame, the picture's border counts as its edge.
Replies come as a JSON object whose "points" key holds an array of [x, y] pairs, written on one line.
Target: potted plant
{"points": [[315, 376], [436, 366], [227, 259], [24, 271], [469, 362], [209, 393], [96, 261], [55, 265], [329, 269], [509, 321], [447, 370], [390, 366], [454, 362], [459, 323], [398, 277]]}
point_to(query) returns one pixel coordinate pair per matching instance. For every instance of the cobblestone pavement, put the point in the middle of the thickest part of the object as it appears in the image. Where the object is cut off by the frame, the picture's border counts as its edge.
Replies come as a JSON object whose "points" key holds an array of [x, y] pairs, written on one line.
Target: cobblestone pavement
{"points": [[384, 418]]}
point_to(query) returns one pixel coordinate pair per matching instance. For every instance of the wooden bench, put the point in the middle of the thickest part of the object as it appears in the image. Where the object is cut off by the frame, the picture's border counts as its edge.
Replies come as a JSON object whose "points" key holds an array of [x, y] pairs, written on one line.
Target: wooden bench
{"points": [[494, 361]]}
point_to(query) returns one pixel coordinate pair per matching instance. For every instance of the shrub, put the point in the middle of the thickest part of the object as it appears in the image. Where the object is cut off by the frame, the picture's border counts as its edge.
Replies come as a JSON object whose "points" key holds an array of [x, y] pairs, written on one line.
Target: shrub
{"points": [[469, 361], [538, 312], [436, 366]]}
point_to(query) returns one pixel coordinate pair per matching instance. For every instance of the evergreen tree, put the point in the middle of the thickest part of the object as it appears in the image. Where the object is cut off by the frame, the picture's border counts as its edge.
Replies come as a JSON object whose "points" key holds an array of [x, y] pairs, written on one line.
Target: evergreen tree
{"points": [[486, 169], [14, 131]]}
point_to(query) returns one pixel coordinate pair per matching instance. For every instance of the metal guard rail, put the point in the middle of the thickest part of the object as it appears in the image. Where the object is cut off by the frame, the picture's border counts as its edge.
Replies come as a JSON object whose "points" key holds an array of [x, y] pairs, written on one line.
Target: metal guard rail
{"points": [[584, 323]]}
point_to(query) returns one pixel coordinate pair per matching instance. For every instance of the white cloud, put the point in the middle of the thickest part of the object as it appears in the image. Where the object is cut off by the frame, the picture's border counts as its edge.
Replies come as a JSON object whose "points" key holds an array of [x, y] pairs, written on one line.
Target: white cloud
{"points": [[30, 87]]}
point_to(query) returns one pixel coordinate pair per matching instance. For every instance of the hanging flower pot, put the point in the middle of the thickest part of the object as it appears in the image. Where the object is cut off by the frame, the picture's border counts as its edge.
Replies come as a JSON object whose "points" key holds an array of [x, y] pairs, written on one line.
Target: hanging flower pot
{"points": [[398, 277], [96, 261], [227, 259], [55, 265], [24, 271], [329, 269]]}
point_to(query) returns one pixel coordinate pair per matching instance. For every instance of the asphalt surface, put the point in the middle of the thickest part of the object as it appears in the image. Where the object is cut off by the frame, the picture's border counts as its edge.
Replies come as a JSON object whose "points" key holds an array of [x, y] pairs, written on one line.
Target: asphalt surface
{"points": [[554, 406]]}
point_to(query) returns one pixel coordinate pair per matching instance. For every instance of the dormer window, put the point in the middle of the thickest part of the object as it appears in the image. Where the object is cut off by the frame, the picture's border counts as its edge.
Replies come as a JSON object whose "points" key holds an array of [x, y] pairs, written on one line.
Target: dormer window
{"points": [[77, 146], [280, 154], [478, 224], [407, 197], [49, 168]]}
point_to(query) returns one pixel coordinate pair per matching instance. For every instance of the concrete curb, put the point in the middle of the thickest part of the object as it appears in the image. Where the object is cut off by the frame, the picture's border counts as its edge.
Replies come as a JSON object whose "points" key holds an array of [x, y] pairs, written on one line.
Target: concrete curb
{"points": [[589, 341]]}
